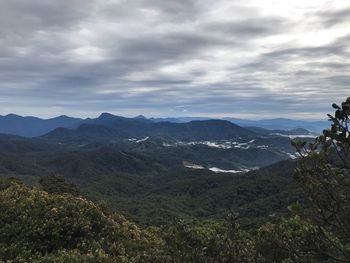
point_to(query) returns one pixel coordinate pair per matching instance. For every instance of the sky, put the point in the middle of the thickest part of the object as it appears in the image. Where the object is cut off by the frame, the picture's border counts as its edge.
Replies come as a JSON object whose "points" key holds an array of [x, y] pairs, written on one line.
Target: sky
{"points": [[251, 59]]}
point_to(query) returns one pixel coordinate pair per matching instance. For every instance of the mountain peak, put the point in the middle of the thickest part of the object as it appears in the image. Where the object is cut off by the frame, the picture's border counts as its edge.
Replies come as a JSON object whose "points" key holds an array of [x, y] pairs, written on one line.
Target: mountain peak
{"points": [[141, 117], [106, 115], [61, 117], [12, 115]]}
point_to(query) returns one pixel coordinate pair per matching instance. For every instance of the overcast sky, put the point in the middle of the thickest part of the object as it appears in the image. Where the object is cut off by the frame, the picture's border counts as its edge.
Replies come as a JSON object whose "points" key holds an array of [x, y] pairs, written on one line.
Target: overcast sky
{"points": [[240, 58]]}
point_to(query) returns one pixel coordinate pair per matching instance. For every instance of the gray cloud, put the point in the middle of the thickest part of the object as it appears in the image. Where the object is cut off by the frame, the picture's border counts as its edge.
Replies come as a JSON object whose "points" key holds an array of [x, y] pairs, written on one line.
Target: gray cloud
{"points": [[247, 28], [170, 58], [331, 18]]}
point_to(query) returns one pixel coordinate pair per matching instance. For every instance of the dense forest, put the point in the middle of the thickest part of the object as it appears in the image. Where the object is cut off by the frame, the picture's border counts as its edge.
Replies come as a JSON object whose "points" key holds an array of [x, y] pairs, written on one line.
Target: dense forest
{"points": [[56, 207]]}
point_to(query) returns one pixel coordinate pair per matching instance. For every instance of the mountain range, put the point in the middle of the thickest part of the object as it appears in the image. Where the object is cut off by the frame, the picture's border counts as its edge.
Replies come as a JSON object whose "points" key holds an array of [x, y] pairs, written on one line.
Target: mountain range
{"points": [[270, 124], [216, 145], [33, 127], [108, 127], [154, 170]]}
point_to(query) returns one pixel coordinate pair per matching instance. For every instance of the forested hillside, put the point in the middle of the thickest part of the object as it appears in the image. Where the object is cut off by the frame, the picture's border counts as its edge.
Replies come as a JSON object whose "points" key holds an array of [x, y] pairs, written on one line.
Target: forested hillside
{"points": [[153, 188], [68, 203]]}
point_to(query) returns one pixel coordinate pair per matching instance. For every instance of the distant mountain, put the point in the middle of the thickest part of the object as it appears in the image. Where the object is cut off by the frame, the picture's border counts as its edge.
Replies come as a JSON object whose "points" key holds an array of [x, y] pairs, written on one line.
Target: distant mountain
{"points": [[299, 131], [282, 124], [83, 133], [33, 126], [109, 127], [270, 124], [202, 130], [212, 144], [295, 132], [180, 119]]}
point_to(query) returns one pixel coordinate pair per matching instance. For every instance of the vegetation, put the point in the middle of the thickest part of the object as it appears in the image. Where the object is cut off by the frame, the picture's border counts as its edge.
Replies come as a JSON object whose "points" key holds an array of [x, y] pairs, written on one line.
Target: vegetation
{"points": [[55, 224], [324, 173], [160, 198], [55, 184], [152, 189], [41, 227]]}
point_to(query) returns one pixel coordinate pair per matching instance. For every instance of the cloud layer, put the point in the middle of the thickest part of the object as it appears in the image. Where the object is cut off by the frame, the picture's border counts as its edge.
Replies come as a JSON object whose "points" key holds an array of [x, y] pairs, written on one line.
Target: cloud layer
{"points": [[250, 58]]}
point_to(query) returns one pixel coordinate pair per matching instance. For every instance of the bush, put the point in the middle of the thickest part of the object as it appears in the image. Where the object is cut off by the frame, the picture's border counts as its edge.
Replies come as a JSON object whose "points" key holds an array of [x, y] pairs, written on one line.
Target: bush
{"points": [[35, 225]]}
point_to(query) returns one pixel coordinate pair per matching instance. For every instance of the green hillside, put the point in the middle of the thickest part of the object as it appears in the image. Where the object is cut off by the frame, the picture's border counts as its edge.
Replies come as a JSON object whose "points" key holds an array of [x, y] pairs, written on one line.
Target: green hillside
{"points": [[70, 203]]}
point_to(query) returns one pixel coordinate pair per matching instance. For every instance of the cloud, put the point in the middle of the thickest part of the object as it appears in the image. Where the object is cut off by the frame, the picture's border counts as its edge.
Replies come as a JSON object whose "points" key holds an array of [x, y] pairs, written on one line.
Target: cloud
{"points": [[330, 18], [242, 58], [246, 29]]}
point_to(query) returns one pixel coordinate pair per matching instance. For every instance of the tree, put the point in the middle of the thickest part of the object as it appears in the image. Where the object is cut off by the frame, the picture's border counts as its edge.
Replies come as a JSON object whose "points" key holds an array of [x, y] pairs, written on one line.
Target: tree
{"points": [[56, 184], [324, 174]]}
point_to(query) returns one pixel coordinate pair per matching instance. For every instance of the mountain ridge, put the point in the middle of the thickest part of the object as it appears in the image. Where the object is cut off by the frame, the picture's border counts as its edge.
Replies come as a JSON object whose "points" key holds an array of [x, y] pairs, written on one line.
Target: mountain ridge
{"points": [[30, 126], [123, 128]]}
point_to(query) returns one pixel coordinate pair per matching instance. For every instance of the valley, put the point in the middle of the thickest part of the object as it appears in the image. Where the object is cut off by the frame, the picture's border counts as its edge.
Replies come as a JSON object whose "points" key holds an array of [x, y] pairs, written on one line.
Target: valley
{"points": [[156, 172]]}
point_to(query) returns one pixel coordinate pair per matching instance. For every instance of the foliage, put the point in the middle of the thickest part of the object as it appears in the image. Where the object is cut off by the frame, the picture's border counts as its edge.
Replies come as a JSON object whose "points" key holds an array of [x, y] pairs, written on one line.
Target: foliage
{"points": [[55, 184], [36, 226], [324, 174], [39, 227], [157, 197], [290, 240], [55, 225], [209, 241], [147, 181], [157, 200]]}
